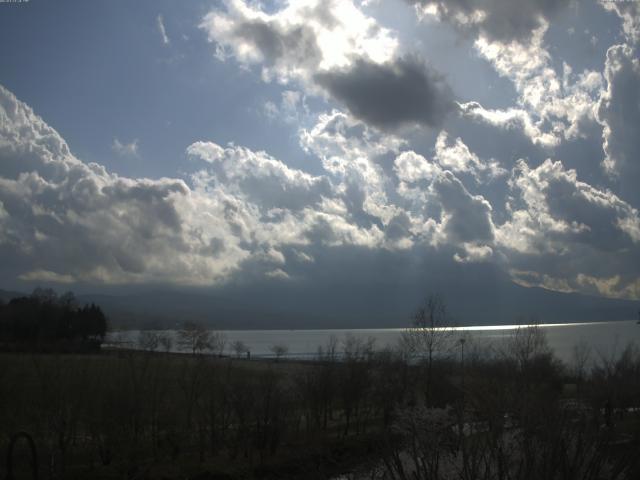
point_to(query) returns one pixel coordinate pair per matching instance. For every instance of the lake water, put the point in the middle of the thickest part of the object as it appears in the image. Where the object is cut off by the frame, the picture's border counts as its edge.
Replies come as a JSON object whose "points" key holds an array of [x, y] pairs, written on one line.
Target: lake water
{"points": [[604, 338]]}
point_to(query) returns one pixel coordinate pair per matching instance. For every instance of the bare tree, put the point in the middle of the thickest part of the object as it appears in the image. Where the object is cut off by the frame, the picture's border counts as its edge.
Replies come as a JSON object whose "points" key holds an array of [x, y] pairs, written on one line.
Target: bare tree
{"points": [[430, 334], [279, 350], [329, 352], [217, 343], [166, 341], [355, 378], [526, 344], [580, 360], [194, 337], [422, 445], [148, 340], [239, 347]]}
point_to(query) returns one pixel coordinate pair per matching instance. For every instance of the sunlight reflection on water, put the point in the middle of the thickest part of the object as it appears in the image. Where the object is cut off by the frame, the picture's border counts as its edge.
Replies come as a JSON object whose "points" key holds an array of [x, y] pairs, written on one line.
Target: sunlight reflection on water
{"points": [[605, 338]]}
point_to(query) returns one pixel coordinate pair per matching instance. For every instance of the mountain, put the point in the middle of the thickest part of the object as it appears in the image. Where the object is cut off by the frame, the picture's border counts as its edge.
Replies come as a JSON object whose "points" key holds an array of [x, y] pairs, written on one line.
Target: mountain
{"points": [[485, 297], [269, 310]]}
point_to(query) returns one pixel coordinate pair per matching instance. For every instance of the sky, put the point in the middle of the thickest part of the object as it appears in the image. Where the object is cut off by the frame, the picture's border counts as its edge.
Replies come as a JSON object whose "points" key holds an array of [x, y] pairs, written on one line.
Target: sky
{"points": [[381, 146]]}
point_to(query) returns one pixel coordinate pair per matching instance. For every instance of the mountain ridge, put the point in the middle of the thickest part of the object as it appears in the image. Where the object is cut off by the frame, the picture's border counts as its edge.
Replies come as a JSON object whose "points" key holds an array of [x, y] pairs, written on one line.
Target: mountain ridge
{"points": [[226, 309]]}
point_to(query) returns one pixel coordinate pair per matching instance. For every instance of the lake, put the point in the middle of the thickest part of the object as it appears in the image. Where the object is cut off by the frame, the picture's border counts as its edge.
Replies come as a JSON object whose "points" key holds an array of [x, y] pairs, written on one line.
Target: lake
{"points": [[606, 339]]}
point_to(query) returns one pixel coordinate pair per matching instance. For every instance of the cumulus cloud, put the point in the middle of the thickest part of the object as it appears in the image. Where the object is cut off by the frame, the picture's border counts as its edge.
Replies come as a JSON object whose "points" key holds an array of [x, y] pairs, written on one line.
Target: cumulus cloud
{"points": [[258, 177], [446, 213], [553, 104], [553, 107], [63, 220], [457, 157], [558, 204], [562, 230], [629, 13], [516, 119], [340, 141], [333, 48], [299, 39], [246, 215], [619, 113], [499, 20], [466, 218], [412, 167], [358, 159]]}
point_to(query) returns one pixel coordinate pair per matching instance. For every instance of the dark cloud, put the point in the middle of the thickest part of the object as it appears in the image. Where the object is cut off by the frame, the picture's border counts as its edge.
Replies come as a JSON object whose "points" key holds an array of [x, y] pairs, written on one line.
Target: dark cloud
{"points": [[501, 20], [568, 235], [398, 227], [360, 66], [354, 199], [321, 232], [297, 45], [619, 112], [469, 216], [401, 92]]}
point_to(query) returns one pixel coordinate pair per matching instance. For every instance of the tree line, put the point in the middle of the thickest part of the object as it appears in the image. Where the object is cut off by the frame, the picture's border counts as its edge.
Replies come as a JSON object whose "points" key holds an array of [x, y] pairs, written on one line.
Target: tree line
{"points": [[46, 321]]}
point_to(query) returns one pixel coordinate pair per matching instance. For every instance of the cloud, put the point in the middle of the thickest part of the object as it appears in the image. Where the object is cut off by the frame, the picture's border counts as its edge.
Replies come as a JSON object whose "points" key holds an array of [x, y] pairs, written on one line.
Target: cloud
{"points": [[459, 159], [553, 108], [162, 29], [412, 167], [236, 216], [449, 215], [559, 206], [629, 13], [554, 104], [278, 274], [619, 113], [259, 178], [64, 219], [401, 92], [562, 230], [497, 20], [341, 141], [245, 216], [46, 276], [291, 108], [299, 39], [466, 218], [333, 48], [510, 119], [359, 159], [125, 149]]}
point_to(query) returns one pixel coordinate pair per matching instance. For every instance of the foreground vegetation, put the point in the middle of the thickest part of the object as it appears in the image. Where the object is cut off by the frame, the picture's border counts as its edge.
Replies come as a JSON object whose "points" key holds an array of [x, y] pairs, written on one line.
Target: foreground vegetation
{"points": [[438, 406], [512, 412]]}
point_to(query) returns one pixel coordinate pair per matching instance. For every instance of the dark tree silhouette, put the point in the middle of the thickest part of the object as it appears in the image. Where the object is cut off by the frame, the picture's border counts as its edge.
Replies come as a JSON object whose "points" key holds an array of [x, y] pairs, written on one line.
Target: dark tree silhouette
{"points": [[430, 335], [44, 320]]}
